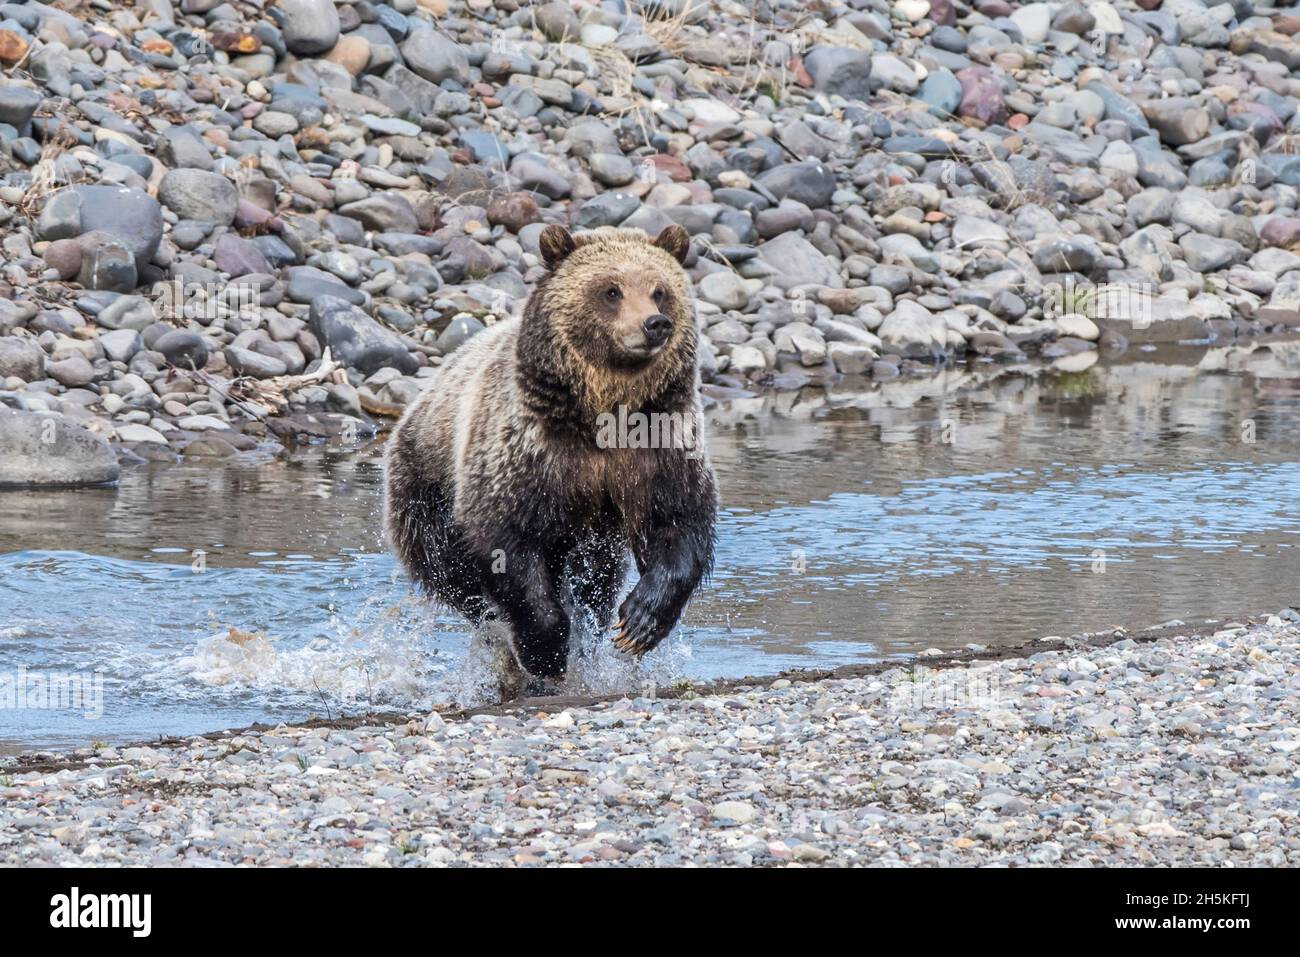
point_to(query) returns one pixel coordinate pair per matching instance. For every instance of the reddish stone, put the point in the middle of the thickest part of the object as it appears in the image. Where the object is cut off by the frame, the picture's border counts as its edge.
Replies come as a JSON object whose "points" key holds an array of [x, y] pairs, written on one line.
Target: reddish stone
{"points": [[249, 214], [800, 72], [65, 256], [700, 192], [1018, 121], [677, 171], [943, 12], [1287, 23], [514, 211], [1283, 231], [981, 95], [1259, 109], [994, 8], [234, 41], [12, 47]]}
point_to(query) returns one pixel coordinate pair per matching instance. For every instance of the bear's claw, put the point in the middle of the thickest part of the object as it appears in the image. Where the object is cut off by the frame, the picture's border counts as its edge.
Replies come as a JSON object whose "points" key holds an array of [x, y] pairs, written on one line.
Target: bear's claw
{"points": [[636, 637]]}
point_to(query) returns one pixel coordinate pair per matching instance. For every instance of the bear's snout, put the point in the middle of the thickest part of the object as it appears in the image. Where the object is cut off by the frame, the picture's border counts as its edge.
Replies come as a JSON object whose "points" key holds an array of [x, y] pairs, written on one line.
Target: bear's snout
{"points": [[657, 329]]}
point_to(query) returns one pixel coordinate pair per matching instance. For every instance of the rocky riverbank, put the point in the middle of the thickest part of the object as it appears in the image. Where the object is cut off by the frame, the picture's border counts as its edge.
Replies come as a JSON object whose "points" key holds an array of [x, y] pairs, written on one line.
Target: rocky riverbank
{"points": [[1176, 746], [230, 225]]}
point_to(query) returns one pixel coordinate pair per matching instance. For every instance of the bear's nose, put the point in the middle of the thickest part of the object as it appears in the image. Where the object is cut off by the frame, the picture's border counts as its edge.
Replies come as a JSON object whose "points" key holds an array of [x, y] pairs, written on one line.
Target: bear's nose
{"points": [[657, 328]]}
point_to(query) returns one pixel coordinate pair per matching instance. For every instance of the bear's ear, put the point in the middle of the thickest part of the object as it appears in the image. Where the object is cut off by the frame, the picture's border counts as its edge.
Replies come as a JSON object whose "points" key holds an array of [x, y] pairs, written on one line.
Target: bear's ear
{"points": [[675, 241], [556, 243]]}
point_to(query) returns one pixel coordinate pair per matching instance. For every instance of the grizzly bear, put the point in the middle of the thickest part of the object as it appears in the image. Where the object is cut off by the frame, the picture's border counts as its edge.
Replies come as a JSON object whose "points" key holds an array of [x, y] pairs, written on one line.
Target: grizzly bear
{"points": [[506, 498]]}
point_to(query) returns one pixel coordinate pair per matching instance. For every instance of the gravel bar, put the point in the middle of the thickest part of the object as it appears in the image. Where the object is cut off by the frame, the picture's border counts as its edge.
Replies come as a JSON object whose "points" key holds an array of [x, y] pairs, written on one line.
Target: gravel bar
{"points": [[1180, 750]]}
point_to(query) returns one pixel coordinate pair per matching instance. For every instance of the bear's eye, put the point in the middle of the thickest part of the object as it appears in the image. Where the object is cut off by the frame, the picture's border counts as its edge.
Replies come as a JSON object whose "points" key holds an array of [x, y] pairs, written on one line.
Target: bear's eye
{"points": [[613, 294], [659, 295]]}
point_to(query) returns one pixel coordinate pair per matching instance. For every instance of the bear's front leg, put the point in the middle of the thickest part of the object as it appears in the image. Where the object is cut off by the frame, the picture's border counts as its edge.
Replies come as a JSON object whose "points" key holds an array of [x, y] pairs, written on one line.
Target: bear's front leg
{"points": [[673, 555], [525, 591]]}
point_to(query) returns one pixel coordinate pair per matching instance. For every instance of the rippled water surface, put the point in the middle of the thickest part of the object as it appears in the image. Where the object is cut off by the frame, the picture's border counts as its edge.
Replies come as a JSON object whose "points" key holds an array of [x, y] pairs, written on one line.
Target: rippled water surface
{"points": [[982, 506]]}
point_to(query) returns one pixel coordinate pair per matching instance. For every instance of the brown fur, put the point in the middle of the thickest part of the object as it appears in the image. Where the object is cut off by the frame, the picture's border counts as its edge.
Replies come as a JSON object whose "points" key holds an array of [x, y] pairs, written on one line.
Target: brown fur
{"points": [[498, 459]]}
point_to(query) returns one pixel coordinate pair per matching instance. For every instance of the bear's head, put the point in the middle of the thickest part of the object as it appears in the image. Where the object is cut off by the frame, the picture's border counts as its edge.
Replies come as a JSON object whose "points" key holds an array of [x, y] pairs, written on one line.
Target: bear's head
{"points": [[618, 300]]}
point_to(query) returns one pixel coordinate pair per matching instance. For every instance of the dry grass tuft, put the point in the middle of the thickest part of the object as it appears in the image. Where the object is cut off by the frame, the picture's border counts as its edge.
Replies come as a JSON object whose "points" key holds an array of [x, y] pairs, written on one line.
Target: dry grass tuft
{"points": [[671, 32], [44, 177]]}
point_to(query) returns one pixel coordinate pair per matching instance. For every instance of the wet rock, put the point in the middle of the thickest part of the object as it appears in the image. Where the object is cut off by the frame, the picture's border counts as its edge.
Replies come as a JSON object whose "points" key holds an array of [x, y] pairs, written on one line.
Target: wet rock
{"points": [[1119, 107], [1033, 20], [891, 73], [131, 215], [435, 57], [238, 256], [725, 290], [49, 451], [1067, 254], [793, 261], [246, 362], [802, 340], [913, 331], [13, 48], [181, 146], [810, 183], [183, 348], [357, 340], [105, 263], [607, 209], [64, 257], [388, 212], [134, 432], [842, 71], [199, 195], [1283, 306], [17, 104], [209, 447], [1208, 254], [72, 372], [22, 358], [121, 344], [309, 26], [981, 95], [612, 170], [1178, 120], [1281, 231], [458, 331], [1074, 18], [533, 171], [557, 20], [942, 92]]}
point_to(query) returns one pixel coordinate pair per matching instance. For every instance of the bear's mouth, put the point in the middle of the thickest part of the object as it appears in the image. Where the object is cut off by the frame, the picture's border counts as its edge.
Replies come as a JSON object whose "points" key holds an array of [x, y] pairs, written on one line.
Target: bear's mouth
{"points": [[639, 349]]}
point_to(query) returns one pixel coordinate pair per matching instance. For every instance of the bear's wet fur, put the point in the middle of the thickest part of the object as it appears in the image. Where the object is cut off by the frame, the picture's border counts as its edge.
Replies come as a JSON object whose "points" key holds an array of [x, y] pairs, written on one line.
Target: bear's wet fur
{"points": [[501, 500]]}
